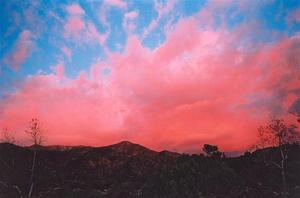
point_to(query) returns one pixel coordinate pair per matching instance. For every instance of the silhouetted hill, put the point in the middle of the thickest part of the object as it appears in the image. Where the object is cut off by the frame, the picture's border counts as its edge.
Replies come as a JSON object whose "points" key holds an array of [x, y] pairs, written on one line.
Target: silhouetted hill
{"points": [[131, 170]]}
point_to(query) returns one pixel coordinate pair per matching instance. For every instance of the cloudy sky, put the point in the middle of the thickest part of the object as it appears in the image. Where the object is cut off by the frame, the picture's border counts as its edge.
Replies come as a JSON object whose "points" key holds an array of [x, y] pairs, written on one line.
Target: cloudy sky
{"points": [[165, 74]]}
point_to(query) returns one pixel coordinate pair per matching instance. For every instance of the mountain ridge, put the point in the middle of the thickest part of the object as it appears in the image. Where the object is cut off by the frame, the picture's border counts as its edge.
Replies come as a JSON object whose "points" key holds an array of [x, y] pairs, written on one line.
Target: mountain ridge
{"points": [[119, 146]]}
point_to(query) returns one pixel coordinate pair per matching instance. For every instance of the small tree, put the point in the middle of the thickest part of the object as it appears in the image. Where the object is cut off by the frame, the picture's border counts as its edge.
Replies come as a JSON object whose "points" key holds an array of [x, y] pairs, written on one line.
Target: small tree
{"points": [[277, 133], [7, 136], [212, 151], [36, 135]]}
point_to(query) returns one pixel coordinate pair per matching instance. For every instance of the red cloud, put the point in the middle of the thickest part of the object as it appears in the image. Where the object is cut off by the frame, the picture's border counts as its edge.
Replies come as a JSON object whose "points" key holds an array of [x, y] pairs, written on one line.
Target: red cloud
{"points": [[200, 86]]}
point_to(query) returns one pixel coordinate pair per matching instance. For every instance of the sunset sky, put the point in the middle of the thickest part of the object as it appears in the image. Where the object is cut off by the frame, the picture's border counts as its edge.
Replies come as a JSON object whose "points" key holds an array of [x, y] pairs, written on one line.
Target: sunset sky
{"points": [[165, 74]]}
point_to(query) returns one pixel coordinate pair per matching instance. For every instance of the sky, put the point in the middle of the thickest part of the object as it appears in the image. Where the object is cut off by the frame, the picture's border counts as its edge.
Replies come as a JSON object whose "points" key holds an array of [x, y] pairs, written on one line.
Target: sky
{"points": [[165, 74]]}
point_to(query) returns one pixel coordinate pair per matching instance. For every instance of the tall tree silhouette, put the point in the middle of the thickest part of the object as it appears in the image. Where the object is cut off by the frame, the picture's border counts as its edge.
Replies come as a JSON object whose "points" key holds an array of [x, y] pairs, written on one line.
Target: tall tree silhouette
{"points": [[36, 135], [277, 133]]}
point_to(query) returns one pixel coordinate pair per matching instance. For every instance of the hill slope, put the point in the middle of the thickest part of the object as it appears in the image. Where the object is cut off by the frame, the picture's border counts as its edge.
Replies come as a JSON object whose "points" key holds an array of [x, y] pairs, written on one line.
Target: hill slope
{"points": [[131, 170]]}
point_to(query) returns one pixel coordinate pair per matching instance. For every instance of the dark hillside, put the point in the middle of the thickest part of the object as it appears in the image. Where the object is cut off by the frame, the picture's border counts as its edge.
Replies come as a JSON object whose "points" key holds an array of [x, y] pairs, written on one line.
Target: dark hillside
{"points": [[131, 170]]}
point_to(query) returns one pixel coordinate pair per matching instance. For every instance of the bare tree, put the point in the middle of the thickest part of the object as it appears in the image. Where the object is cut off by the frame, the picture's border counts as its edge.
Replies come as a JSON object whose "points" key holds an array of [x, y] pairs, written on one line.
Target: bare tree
{"points": [[277, 133], [35, 132], [7, 136]]}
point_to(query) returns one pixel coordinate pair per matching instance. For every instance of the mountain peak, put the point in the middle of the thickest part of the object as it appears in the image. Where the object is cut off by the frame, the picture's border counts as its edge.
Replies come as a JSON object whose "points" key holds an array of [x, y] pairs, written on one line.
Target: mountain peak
{"points": [[130, 148], [125, 143]]}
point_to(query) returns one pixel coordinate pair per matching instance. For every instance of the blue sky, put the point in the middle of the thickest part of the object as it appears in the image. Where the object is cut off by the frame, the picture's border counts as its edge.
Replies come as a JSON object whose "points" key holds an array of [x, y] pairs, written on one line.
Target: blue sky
{"points": [[45, 20]]}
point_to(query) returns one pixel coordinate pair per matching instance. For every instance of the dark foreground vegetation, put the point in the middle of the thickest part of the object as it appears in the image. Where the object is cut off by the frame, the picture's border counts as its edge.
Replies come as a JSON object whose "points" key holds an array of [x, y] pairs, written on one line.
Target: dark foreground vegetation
{"points": [[130, 170]]}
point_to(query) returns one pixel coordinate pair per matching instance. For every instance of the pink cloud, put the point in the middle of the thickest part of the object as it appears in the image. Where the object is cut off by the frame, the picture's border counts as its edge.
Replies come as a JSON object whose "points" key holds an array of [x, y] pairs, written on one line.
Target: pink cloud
{"points": [[74, 23], [293, 16], [92, 34], [131, 15], [201, 88], [59, 70], [162, 9], [73, 26], [75, 9], [66, 52], [117, 3], [21, 50], [128, 20], [79, 30]]}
